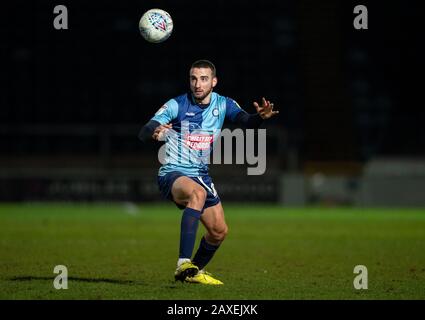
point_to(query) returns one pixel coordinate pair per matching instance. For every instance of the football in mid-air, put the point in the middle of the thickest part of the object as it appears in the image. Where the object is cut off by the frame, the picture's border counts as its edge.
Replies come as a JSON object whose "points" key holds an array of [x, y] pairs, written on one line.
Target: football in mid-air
{"points": [[156, 25]]}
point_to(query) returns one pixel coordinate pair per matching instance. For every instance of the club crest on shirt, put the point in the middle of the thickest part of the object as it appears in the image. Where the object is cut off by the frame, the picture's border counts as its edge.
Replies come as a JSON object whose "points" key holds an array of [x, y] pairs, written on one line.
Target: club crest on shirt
{"points": [[215, 112], [161, 110]]}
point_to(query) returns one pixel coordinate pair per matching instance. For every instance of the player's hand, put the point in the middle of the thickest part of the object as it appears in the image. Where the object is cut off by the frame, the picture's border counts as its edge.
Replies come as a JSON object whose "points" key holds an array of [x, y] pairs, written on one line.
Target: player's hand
{"points": [[266, 109], [158, 133]]}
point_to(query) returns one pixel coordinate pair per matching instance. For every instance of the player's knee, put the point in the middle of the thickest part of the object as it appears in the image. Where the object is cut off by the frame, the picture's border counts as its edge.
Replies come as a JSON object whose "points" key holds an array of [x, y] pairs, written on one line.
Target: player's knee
{"points": [[224, 232], [198, 196], [219, 234]]}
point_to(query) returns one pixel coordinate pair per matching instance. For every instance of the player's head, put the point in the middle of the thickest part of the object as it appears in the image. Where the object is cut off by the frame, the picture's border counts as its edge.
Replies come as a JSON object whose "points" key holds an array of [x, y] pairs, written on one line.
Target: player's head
{"points": [[202, 79]]}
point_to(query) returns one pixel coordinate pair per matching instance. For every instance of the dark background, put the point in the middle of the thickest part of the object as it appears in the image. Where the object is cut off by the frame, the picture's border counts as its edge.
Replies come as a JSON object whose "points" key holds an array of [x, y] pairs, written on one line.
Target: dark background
{"points": [[343, 94]]}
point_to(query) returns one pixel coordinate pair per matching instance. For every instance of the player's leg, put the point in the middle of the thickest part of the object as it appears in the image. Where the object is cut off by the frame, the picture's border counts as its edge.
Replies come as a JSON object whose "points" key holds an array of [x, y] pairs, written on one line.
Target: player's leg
{"points": [[216, 227], [188, 193], [213, 220], [191, 195]]}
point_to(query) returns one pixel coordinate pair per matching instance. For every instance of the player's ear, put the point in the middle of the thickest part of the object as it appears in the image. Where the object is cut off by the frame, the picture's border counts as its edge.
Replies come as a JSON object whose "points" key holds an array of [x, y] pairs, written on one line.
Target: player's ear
{"points": [[214, 81]]}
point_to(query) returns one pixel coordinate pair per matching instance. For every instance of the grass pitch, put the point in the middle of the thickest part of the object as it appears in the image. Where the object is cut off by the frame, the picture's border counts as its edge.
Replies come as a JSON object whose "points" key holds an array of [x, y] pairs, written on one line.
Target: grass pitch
{"points": [[122, 251]]}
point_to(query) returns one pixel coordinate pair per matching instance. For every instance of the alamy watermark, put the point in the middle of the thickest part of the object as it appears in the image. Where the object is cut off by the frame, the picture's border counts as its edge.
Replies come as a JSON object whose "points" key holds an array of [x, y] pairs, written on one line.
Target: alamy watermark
{"points": [[360, 21], [61, 280], [200, 146], [361, 280], [60, 22]]}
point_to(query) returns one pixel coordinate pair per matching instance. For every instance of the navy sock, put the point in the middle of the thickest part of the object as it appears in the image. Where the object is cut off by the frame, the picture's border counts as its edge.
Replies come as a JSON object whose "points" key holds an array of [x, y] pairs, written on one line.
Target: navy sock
{"points": [[188, 228], [204, 254]]}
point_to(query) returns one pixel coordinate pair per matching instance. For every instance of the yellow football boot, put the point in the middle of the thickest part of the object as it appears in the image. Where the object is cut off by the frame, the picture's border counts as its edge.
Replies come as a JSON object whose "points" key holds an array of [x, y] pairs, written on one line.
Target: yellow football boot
{"points": [[203, 277], [186, 269]]}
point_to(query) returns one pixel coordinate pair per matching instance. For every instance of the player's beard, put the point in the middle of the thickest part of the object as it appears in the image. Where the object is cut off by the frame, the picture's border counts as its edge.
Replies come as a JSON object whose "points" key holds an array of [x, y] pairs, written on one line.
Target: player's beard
{"points": [[199, 99]]}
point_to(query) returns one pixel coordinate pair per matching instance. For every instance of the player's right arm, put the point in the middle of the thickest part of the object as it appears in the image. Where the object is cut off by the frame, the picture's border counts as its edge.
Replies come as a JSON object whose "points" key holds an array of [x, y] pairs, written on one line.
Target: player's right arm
{"points": [[160, 122]]}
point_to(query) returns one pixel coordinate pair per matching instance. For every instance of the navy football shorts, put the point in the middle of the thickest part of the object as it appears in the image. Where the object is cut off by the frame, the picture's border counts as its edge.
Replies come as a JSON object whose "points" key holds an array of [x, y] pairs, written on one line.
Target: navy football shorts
{"points": [[165, 184]]}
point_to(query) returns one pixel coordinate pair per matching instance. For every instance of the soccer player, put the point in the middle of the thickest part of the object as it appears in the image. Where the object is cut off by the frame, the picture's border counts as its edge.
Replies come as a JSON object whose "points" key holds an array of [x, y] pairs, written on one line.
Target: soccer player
{"points": [[190, 124]]}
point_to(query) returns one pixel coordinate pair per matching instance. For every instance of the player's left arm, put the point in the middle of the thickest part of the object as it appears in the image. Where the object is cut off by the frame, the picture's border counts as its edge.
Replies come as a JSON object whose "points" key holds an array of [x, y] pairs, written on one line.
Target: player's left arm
{"points": [[251, 121], [266, 109]]}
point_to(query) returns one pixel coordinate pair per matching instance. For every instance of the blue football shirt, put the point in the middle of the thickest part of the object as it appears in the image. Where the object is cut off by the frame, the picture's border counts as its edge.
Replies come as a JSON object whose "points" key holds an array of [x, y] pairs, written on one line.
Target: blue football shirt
{"points": [[195, 130]]}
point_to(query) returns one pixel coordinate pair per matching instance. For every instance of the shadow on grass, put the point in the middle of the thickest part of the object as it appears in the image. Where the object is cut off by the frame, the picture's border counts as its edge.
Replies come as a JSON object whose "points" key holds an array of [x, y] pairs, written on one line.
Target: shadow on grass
{"points": [[92, 280]]}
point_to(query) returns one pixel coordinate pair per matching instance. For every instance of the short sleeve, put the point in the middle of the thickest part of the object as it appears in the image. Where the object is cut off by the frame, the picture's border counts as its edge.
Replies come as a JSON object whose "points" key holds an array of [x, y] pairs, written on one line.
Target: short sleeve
{"points": [[232, 109], [167, 112]]}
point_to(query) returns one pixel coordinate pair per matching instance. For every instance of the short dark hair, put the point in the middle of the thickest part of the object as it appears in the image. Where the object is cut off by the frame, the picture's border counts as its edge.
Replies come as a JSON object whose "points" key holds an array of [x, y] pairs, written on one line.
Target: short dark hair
{"points": [[204, 64]]}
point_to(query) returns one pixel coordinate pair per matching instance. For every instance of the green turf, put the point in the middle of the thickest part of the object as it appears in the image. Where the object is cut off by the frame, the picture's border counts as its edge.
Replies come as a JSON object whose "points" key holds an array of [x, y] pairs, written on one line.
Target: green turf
{"points": [[123, 252]]}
